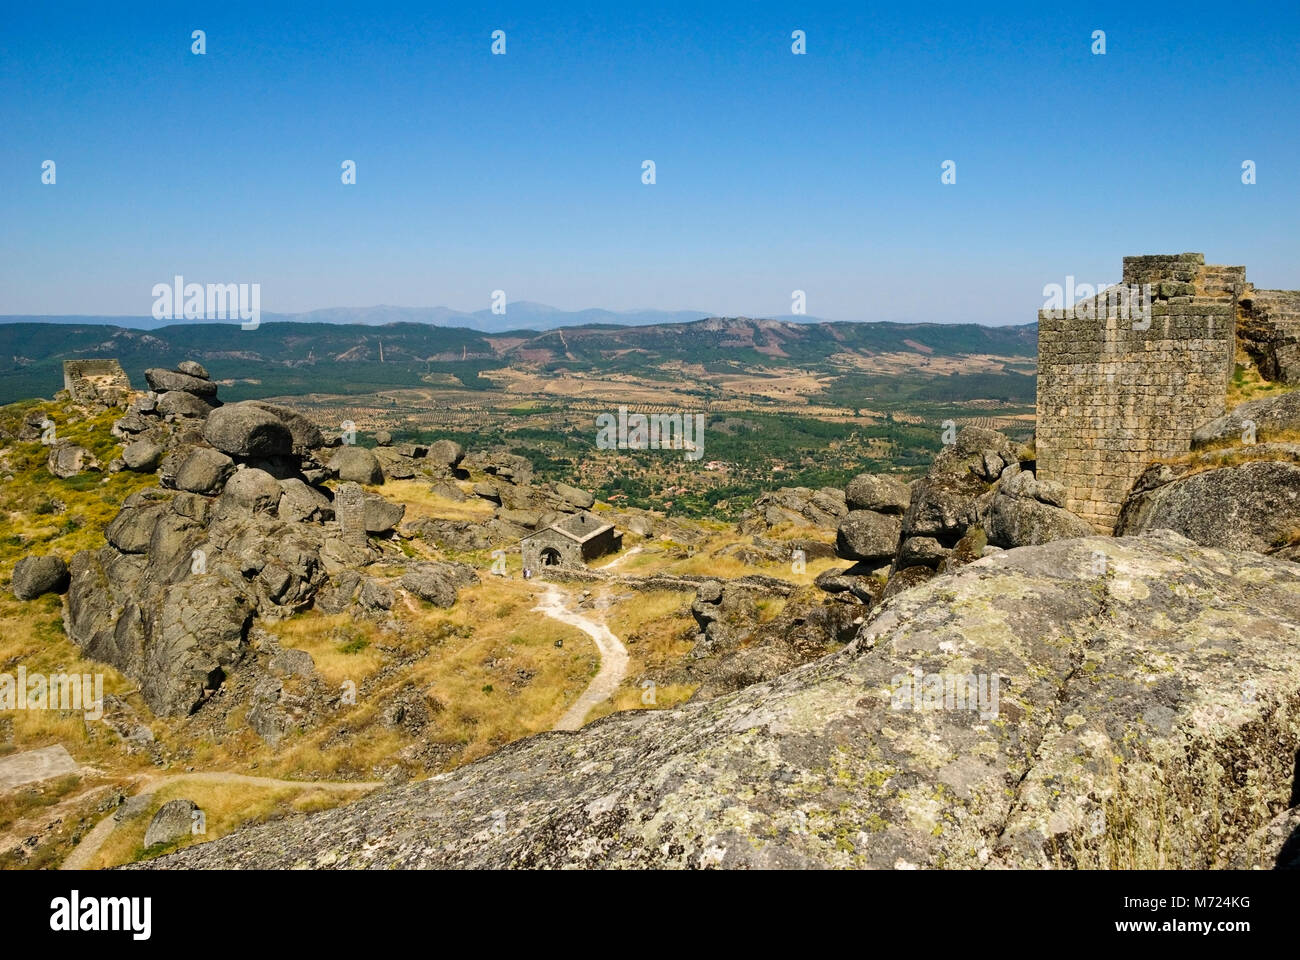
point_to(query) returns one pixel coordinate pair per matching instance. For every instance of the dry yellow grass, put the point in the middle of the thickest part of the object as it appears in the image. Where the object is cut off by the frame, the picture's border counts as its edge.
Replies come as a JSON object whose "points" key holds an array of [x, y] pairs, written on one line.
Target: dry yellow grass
{"points": [[45, 514], [339, 645], [658, 631], [1231, 453], [489, 668], [421, 501], [667, 557], [31, 636], [1247, 384], [225, 807]]}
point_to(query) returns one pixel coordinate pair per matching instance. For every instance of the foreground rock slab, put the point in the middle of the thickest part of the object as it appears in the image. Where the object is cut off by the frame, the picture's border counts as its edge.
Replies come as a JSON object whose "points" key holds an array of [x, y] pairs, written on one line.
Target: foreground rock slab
{"points": [[1148, 715]]}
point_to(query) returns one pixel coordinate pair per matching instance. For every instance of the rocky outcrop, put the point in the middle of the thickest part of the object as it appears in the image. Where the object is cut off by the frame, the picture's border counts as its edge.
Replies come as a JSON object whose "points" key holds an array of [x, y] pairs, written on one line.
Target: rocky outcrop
{"points": [[1146, 717], [862, 581], [69, 459], [304, 435], [446, 453], [879, 492], [726, 613], [459, 535], [869, 536], [303, 503], [247, 430], [143, 456], [509, 467], [1245, 506], [807, 627], [396, 465], [382, 515], [356, 465], [948, 499], [173, 821], [505, 481], [165, 381], [250, 491], [34, 576], [937, 522], [204, 470], [179, 404], [235, 531], [574, 497], [437, 583], [797, 507], [1026, 511], [1252, 421]]}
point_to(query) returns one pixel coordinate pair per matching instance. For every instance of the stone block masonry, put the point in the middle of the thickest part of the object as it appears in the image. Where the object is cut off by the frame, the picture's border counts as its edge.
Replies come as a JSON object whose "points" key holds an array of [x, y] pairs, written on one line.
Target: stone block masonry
{"points": [[350, 511], [1117, 391], [99, 379]]}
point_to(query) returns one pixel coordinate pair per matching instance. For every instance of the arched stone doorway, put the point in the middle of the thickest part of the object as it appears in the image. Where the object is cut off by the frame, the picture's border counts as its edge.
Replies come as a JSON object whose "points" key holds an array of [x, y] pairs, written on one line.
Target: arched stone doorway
{"points": [[550, 557]]}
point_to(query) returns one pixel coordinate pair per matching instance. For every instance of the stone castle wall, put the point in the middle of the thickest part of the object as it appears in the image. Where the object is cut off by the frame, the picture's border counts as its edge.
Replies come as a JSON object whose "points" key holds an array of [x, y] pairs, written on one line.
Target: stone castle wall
{"points": [[1117, 390], [95, 380]]}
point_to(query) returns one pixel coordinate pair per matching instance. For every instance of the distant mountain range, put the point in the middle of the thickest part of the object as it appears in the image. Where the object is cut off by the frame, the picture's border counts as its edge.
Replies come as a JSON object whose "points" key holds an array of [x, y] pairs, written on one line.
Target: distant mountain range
{"points": [[286, 358], [519, 315]]}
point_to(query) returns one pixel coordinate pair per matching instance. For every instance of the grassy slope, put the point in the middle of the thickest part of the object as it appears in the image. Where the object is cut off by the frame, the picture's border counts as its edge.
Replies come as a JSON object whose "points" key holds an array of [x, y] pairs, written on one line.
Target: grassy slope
{"points": [[489, 668]]}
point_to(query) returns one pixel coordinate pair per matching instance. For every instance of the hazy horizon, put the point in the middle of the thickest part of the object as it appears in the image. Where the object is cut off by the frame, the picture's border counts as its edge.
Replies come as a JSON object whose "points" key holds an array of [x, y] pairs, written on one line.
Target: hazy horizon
{"points": [[522, 172], [524, 315]]}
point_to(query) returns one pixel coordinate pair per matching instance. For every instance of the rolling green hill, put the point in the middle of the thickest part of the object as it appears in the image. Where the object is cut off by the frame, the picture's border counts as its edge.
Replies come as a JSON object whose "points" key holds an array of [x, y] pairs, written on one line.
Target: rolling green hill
{"points": [[294, 358]]}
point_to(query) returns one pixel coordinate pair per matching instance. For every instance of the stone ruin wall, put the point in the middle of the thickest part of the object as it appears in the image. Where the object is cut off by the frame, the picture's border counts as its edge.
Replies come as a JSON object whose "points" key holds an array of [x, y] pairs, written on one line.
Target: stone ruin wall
{"points": [[1111, 398], [350, 512], [96, 379]]}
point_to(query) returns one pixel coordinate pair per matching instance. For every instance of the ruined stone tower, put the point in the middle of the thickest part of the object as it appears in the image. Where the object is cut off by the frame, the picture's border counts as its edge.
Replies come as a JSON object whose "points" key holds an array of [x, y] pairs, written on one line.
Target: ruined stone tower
{"points": [[1125, 381], [100, 380]]}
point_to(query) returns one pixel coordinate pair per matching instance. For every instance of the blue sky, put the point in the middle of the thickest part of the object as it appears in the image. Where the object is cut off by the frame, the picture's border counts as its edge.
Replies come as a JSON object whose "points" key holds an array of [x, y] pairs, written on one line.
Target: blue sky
{"points": [[522, 172]]}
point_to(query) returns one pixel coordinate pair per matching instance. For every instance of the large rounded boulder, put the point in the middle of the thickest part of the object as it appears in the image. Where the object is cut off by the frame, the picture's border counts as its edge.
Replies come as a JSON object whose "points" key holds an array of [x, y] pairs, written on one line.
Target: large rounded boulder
{"points": [[356, 464], [251, 491], [1248, 506], [247, 430], [204, 471], [142, 456], [430, 584], [69, 459], [34, 576], [306, 435], [163, 381], [878, 492], [382, 515], [867, 535], [178, 403], [447, 453]]}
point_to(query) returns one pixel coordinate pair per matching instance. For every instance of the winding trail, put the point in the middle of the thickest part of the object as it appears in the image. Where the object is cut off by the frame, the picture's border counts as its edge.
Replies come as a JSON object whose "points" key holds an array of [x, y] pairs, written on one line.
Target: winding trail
{"points": [[617, 561], [613, 657], [85, 851], [613, 667]]}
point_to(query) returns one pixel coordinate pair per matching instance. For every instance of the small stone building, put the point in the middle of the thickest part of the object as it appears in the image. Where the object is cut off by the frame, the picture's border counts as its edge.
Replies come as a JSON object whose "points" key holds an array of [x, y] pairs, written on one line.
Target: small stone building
{"points": [[100, 380], [571, 542]]}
